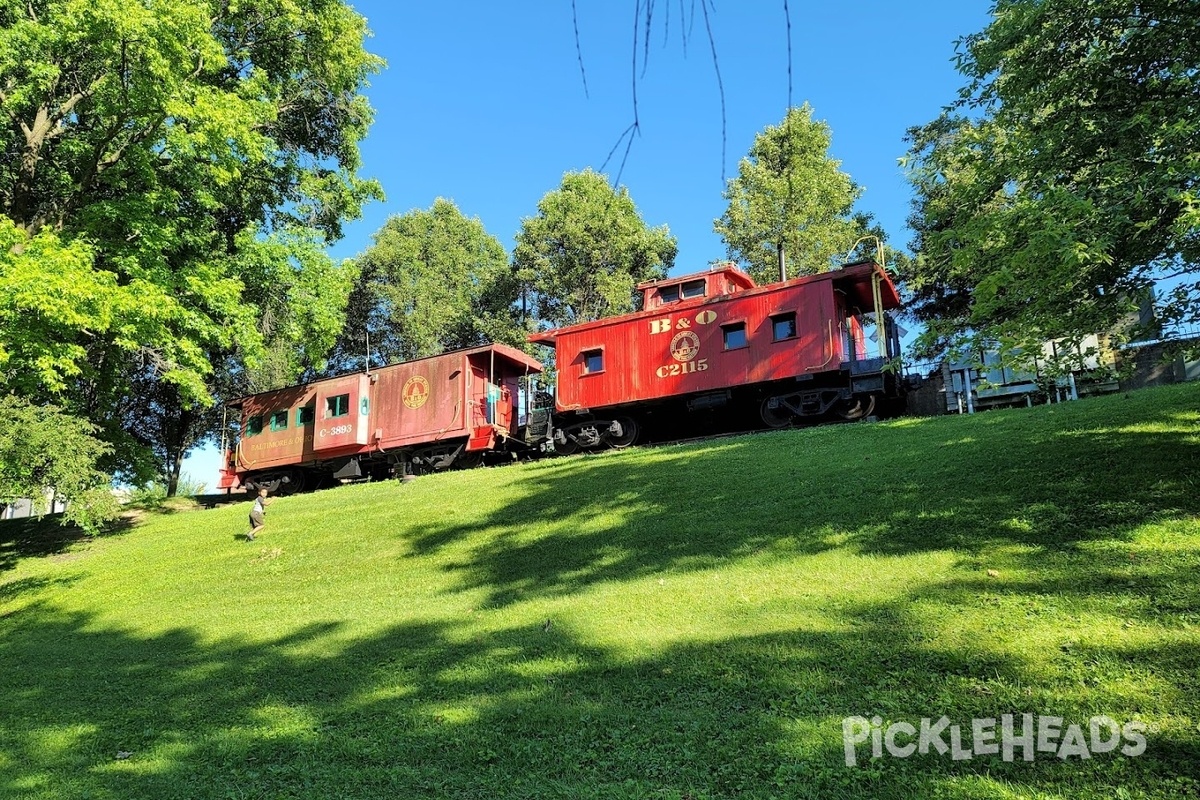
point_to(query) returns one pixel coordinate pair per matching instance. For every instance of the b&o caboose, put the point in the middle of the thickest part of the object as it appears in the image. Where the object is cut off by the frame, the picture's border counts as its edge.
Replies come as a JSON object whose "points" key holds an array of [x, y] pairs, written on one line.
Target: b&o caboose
{"points": [[430, 413], [713, 346]]}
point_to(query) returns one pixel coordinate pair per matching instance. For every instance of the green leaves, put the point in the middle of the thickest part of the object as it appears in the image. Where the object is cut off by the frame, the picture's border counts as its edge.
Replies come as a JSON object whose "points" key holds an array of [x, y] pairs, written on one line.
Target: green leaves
{"points": [[49, 299], [434, 280], [1063, 173], [586, 250], [175, 169], [294, 305], [790, 196], [43, 448], [55, 307]]}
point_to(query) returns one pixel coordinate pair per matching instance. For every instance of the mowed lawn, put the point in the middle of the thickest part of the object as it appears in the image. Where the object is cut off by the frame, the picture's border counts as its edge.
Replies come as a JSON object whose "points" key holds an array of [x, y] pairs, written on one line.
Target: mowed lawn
{"points": [[677, 622]]}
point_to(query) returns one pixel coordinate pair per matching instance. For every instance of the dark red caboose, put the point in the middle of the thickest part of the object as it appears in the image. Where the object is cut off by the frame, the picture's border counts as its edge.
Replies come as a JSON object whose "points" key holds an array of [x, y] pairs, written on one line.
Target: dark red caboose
{"points": [[431, 413], [715, 344]]}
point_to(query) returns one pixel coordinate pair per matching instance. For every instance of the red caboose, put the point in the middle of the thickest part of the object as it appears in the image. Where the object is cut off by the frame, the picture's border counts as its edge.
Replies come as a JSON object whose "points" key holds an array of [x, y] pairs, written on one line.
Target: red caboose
{"points": [[717, 344], [431, 413]]}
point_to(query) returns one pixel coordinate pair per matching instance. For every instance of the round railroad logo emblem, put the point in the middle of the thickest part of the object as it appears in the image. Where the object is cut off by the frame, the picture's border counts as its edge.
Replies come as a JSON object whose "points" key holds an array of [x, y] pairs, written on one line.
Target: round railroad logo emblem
{"points": [[685, 346], [415, 391]]}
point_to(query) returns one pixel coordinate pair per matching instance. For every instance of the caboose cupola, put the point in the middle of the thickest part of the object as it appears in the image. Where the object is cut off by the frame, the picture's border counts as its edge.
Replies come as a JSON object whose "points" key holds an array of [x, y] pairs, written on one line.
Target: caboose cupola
{"points": [[723, 280]]}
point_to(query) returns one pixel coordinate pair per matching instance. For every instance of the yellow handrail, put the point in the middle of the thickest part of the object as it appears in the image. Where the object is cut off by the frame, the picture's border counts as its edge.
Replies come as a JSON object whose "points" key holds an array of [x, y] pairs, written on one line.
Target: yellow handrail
{"points": [[831, 350]]}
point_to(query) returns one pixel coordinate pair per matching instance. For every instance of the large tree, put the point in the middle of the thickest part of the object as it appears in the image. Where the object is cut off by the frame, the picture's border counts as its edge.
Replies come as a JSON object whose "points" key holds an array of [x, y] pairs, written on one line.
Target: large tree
{"points": [[581, 256], [1063, 183], [146, 145], [299, 296], [790, 207], [432, 281]]}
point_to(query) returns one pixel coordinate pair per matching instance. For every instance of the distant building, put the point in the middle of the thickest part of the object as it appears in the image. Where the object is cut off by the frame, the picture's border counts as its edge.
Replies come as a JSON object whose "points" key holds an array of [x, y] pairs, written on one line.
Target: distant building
{"points": [[23, 508], [1171, 358]]}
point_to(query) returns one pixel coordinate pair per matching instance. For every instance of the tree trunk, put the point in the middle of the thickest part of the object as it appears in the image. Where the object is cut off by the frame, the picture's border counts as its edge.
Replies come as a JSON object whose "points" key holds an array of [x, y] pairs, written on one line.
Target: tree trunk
{"points": [[177, 449], [782, 262], [173, 474]]}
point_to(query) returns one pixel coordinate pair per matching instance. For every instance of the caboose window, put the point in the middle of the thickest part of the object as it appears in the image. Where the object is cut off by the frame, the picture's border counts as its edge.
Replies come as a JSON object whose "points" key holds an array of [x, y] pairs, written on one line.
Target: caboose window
{"points": [[692, 289], [593, 361], [279, 420], [668, 294], [783, 326], [735, 335], [338, 406], [254, 425], [304, 415]]}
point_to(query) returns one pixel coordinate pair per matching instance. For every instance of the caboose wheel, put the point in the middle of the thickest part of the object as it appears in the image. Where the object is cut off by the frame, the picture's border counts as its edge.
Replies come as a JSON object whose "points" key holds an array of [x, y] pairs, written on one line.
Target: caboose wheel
{"points": [[563, 444], [778, 417], [284, 482], [469, 460], [857, 407], [291, 483], [435, 459], [628, 435]]}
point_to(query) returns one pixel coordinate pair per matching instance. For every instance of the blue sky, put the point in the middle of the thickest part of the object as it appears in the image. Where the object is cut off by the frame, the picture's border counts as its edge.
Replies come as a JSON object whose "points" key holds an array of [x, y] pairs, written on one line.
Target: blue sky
{"points": [[483, 103]]}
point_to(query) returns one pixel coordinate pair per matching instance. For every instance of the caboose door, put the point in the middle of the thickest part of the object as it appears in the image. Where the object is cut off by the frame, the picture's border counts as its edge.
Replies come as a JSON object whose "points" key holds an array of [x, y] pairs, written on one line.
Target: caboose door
{"points": [[491, 403]]}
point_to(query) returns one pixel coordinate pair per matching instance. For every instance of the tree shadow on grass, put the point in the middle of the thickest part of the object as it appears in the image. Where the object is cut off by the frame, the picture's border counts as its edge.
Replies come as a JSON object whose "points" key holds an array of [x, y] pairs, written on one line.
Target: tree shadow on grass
{"points": [[36, 538], [9, 590], [485, 707], [1018, 480], [474, 709]]}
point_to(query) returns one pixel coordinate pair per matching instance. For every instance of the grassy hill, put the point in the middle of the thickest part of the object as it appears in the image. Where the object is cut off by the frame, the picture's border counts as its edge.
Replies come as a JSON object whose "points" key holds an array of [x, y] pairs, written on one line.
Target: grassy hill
{"points": [[679, 622]]}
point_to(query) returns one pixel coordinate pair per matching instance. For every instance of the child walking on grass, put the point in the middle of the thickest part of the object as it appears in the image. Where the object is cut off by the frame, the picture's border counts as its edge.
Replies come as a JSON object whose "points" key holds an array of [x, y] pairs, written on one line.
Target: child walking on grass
{"points": [[258, 515]]}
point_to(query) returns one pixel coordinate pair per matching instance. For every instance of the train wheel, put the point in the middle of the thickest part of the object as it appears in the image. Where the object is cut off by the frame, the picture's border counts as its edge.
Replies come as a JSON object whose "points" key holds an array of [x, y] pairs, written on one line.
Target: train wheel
{"points": [[857, 407], [629, 434], [278, 483], [435, 459], [774, 417], [564, 445], [470, 460], [292, 483]]}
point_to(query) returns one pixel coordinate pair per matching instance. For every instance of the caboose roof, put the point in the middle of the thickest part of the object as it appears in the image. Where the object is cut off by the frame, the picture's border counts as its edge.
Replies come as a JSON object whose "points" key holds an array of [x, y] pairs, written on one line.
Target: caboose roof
{"points": [[502, 351], [854, 279]]}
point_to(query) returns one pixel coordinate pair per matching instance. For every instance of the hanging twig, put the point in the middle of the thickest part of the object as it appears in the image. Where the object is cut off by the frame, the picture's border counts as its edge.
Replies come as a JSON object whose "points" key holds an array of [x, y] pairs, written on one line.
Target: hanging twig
{"points": [[634, 128], [578, 49], [787, 16], [720, 86], [646, 43], [630, 131]]}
